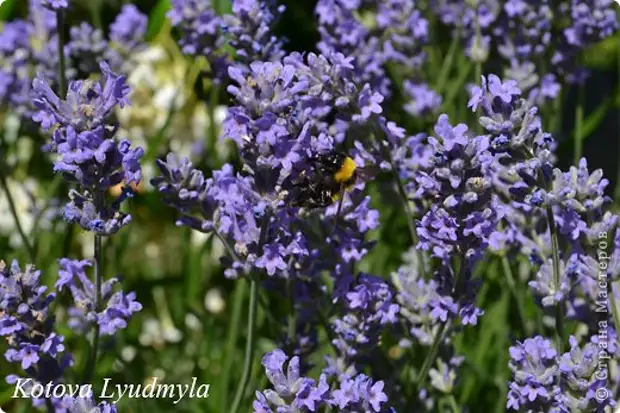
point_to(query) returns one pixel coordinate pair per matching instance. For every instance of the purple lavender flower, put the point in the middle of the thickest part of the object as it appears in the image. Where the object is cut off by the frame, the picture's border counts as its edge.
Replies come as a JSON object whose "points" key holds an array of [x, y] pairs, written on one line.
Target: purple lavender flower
{"points": [[580, 371], [55, 5], [417, 298], [89, 154], [27, 46], [341, 32], [423, 101], [295, 393], [589, 22], [455, 181], [474, 22], [81, 404], [292, 392], [126, 38], [250, 30], [546, 381], [404, 31], [396, 35], [545, 284], [580, 200], [369, 308], [534, 366], [119, 307], [27, 325], [201, 33], [86, 48], [282, 125], [15, 54], [359, 394], [231, 206], [129, 27]]}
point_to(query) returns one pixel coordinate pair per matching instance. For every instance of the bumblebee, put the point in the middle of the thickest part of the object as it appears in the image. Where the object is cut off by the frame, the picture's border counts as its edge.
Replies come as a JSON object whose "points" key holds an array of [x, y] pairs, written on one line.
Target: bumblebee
{"points": [[325, 181]]}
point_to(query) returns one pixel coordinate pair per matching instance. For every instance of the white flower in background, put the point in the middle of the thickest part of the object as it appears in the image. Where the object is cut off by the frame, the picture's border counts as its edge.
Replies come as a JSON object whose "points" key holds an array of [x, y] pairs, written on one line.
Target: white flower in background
{"points": [[23, 194], [157, 334], [214, 301]]}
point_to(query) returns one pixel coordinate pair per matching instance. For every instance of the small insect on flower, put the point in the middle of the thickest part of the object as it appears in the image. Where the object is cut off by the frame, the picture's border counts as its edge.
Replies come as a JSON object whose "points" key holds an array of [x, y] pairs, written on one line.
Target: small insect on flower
{"points": [[326, 179]]}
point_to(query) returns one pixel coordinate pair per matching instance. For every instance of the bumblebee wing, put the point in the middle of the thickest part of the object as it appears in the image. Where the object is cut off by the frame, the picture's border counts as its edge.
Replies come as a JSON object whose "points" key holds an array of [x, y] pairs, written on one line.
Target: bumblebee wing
{"points": [[366, 173]]}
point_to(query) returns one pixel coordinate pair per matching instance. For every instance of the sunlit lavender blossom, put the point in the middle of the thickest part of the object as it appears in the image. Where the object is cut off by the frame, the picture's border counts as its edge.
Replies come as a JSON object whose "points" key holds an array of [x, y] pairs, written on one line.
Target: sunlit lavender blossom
{"points": [[116, 309], [590, 21], [126, 38], [28, 326], [369, 308], [359, 393], [580, 201], [250, 29], [533, 364], [291, 110], [544, 285], [229, 205], [296, 394], [89, 154], [415, 296], [523, 153], [461, 217], [582, 377], [292, 392], [342, 32]]}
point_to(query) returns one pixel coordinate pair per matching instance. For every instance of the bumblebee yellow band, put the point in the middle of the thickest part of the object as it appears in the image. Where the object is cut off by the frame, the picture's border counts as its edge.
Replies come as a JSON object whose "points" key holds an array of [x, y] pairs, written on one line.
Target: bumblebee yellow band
{"points": [[346, 171]]}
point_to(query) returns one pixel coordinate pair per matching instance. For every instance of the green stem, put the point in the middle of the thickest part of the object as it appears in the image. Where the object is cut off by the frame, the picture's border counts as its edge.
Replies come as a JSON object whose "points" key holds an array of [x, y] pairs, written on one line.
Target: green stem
{"points": [[249, 348], [292, 320], [227, 247], [453, 404], [430, 357], [62, 77], [95, 12], [559, 311], [231, 342], [249, 345], [515, 294], [457, 86], [432, 354], [384, 144], [579, 126], [92, 360], [446, 66], [18, 225]]}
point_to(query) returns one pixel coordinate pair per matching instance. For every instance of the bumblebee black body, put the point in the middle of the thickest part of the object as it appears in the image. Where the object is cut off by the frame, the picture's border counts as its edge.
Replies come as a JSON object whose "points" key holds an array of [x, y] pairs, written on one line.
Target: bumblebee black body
{"points": [[321, 184]]}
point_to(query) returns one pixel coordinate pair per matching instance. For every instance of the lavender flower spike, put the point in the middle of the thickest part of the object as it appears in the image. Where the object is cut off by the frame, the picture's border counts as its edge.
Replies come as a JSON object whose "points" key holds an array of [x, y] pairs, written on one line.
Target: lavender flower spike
{"points": [[28, 327], [84, 137], [119, 309]]}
